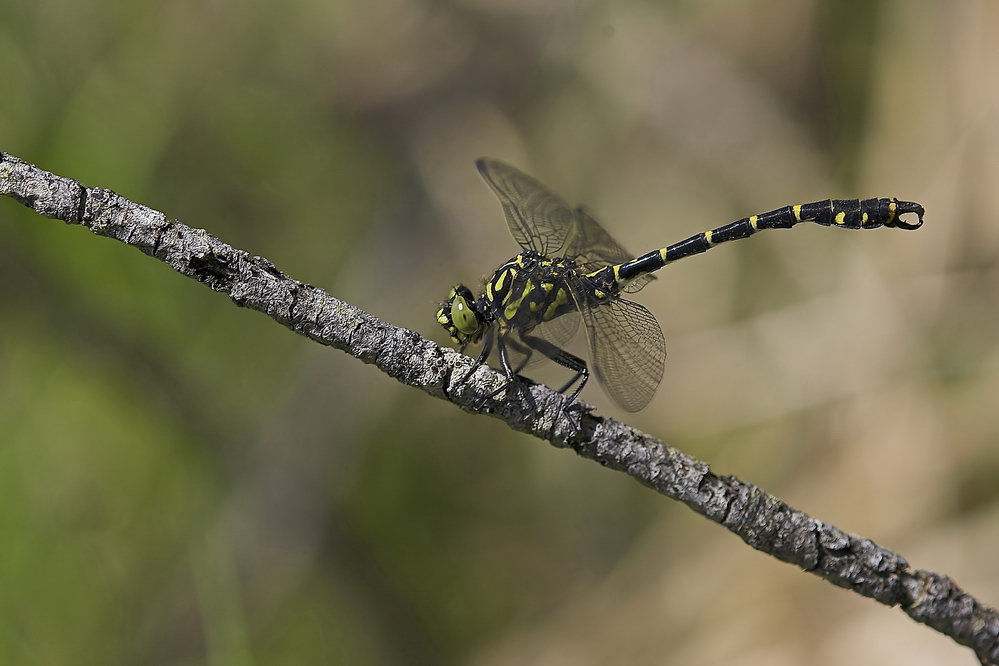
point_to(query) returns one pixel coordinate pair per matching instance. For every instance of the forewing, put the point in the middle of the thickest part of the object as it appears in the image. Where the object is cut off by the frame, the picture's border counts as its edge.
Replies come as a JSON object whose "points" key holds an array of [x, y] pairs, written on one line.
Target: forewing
{"points": [[593, 248], [539, 220], [627, 350]]}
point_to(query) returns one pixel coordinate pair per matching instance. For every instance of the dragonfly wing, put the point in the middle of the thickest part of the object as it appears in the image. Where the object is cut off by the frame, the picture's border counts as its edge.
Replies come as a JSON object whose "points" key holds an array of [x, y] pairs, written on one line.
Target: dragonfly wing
{"points": [[638, 283], [560, 330], [593, 248], [539, 220], [627, 349]]}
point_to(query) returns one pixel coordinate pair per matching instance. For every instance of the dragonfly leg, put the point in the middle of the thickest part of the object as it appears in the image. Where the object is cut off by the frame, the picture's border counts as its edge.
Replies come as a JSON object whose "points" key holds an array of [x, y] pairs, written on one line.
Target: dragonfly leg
{"points": [[524, 351], [511, 375], [487, 347], [566, 360]]}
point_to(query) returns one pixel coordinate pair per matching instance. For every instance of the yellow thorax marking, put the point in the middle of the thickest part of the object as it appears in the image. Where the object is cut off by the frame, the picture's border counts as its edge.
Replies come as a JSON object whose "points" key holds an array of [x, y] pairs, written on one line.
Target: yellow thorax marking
{"points": [[501, 278], [513, 304], [560, 300], [511, 309]]}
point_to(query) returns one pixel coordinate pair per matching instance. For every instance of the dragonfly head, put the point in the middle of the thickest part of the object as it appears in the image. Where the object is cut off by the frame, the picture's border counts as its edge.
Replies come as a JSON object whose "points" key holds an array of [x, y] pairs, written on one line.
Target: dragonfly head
{"points": [[460, 317]]}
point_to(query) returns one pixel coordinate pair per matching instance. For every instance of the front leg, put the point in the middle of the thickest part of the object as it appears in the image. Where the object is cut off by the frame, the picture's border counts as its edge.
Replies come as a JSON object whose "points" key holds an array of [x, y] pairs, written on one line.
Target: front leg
{"points": [[511, 375], [487, 347]]}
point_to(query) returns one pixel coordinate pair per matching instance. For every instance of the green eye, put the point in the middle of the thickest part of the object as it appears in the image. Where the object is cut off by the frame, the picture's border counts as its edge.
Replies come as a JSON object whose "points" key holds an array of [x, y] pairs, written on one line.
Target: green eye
{"points": [[463, 316]]}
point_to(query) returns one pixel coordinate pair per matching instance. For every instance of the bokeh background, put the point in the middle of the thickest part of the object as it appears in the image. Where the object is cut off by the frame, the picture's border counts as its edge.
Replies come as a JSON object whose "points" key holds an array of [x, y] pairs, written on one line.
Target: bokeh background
{"points": [[183, 482]]}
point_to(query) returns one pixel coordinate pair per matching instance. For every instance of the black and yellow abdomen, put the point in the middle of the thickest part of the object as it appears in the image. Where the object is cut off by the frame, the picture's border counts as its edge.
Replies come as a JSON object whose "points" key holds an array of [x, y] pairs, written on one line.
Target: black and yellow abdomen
{"points": [[845, 213]]}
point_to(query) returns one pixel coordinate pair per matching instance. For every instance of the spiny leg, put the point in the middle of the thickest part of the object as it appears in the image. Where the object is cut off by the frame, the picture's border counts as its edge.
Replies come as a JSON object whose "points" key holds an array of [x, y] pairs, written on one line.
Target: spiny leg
{"points": [[511, 376], [565, 359], [556, 354], [524, 351], [487, 347]]}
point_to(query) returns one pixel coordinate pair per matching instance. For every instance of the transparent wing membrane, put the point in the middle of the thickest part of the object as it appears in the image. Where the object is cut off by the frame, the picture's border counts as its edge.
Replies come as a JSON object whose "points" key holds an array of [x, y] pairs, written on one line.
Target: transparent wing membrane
{"points": [[560, 330], [627, 350], [539, 220], [593, 248]]}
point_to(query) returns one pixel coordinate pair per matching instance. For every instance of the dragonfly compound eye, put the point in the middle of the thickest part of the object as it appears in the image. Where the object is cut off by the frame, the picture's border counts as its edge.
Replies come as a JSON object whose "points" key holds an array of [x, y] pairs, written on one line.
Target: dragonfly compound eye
{"points": [[459, 317], [463, 316]]}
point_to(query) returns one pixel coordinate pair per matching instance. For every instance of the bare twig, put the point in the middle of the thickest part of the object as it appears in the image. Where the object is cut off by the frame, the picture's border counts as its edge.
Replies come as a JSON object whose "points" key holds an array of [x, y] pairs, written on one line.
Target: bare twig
{"points": [[760, 519]]}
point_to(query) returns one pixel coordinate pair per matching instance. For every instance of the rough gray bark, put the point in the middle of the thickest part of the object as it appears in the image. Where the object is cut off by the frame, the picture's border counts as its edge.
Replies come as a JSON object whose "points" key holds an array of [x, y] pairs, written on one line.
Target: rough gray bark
{"points": [[760, 519]]}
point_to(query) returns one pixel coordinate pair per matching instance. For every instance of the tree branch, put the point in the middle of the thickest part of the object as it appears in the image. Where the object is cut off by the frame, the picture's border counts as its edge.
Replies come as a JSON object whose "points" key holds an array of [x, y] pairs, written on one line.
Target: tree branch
{"points": [[760, 519]]}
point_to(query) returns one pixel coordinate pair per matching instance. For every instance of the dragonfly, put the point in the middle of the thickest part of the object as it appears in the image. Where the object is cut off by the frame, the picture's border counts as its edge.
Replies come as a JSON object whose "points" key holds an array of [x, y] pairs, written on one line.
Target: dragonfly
{"points": [[571, 271]]}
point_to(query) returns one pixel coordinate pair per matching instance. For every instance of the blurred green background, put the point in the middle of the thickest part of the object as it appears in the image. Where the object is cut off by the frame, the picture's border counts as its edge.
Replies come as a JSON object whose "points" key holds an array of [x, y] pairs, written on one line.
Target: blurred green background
{"points": [[185, 482]]}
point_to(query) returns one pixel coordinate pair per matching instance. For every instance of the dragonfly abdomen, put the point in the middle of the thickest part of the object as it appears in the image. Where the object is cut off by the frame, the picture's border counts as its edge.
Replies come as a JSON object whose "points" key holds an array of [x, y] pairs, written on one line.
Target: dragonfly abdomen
{"points": [[845, 213]]}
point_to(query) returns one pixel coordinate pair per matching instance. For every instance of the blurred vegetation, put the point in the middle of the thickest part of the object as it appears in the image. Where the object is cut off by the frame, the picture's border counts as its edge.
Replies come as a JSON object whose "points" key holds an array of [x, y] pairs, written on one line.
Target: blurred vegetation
{"points": [[184, 482]]}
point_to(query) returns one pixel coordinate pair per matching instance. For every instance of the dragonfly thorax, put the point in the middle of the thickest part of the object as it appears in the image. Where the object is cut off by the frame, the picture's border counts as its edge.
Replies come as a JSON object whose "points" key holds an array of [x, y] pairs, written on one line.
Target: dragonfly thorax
{"points": [[525, 291]]}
